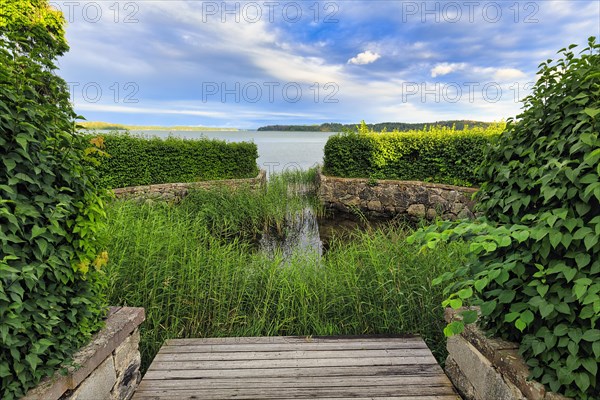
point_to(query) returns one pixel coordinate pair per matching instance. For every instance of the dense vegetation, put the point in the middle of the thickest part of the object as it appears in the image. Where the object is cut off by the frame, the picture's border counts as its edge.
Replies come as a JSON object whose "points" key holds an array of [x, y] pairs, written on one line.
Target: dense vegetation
{"points": [[382, 126], [134, 160], [537, 269], [193, 269], [51, 282], [438, 154]]}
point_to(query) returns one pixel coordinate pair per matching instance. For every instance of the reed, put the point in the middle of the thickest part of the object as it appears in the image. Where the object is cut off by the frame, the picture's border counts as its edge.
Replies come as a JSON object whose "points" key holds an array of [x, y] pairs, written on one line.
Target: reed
{"points": [[196, 278]]}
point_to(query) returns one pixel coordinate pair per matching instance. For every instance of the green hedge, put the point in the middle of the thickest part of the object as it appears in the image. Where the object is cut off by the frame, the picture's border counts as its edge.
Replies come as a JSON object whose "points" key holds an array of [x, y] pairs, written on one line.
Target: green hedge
{"points": [[435, 154], [52, 283], [135, 160]]}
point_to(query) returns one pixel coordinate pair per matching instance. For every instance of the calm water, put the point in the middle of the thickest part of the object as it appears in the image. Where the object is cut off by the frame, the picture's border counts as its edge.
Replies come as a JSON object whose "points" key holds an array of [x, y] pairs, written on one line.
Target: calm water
{"points": [[277, 151]]}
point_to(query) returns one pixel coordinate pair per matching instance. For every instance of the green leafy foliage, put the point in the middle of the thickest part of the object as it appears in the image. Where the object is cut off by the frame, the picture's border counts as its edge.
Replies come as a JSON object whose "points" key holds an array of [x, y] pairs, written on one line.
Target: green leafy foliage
{"points": [[536, 252], [136, 160], [51, 301], [434, 154]]}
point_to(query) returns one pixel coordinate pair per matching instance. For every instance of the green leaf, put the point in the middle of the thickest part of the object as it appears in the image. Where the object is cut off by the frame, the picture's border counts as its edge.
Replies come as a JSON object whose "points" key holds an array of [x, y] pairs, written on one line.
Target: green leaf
{"points": [[37, 231], [33, 361], [456, 303], [546, 309], [480, 284], [520, 325], [591, 365], [465, 293], [527, 317], [592, 112], [591, 335], [561, 330], [9, 163], [542, 289], [582, 260], [596, 348], [582, 380], [22, 140], [488, 307], [555, 238], [4, 369], [520, 236], [469, 316], [454, 328], [506, 296], [590, 241]]}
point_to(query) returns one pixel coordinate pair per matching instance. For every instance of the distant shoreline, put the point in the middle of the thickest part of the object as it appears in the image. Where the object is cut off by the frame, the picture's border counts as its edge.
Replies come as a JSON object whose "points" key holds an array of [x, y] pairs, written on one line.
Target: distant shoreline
{"points": [[108, 126], [325, 127], [388, 126]]}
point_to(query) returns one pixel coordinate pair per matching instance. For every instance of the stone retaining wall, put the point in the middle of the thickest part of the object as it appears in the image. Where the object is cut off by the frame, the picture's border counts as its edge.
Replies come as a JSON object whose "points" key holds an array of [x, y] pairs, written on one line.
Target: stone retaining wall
{"points": [[390, 198], [108, 368], [483, 368], [176, 191]]}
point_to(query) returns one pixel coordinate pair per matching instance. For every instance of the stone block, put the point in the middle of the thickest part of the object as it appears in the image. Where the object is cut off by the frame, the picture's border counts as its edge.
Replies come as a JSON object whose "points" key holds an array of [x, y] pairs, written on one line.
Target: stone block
{"points": [[98, 385], [120, 323], [465, 213], [416, 210], [459, 380], [487, 382], [127, 352], [511, 365], [374, 205], [431, 213], [555, 396]]}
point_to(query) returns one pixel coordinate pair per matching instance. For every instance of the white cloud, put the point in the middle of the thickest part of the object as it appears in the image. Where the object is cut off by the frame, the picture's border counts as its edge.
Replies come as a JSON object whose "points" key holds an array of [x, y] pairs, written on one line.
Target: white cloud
{"points": [[445, 69], [366, 57], [508, 74]]}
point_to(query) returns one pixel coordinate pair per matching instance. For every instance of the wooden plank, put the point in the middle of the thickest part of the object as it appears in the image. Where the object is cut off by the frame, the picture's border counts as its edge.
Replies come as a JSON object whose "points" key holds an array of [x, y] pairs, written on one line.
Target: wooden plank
{"points": [[365, 397], [301, 363], [298, 382], [416, 369], [312, 393], [293, 339], [292, 346], [290, 354], [295, 368]]}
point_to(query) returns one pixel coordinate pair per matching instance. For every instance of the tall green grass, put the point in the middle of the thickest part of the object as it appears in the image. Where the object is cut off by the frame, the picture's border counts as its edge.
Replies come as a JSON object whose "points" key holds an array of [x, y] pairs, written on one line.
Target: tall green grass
{"points": [[195, 283], [247, 213]]}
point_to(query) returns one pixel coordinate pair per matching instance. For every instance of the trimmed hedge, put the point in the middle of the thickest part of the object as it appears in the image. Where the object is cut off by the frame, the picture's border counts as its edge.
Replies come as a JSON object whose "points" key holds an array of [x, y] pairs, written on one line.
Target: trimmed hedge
{"points": [[135, 160], [435, 154]]}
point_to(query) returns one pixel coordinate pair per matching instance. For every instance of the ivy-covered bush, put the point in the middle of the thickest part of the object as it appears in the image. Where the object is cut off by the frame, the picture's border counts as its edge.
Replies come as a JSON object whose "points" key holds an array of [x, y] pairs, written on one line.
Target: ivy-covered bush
{"points": [[51, 283], [136, 160], [536, 267], [434, 154]]}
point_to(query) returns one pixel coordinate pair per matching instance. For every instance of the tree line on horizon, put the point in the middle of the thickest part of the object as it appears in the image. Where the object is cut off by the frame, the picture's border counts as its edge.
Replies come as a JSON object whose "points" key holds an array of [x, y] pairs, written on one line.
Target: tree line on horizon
{"points": [[388, 126]]}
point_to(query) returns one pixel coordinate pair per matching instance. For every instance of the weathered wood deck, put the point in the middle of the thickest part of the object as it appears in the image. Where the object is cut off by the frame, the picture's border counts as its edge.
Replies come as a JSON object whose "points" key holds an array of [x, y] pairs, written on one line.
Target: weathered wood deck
{"points": [[294, 368]]}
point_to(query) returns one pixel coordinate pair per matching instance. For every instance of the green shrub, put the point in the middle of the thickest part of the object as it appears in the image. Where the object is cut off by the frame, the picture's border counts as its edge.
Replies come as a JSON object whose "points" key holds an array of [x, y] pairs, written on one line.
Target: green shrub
{"points": [[434, 154], [135, 160], [51, 285], [536, 274]]}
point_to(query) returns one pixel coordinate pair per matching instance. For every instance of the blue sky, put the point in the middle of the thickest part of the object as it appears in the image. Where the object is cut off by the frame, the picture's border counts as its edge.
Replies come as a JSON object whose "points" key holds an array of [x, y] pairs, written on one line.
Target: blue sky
{"points": [[250, 63]]}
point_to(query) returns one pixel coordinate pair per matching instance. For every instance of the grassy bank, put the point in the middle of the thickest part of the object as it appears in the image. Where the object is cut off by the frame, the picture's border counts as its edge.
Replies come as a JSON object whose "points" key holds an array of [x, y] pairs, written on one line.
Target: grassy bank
{"points": [[192, 269]]}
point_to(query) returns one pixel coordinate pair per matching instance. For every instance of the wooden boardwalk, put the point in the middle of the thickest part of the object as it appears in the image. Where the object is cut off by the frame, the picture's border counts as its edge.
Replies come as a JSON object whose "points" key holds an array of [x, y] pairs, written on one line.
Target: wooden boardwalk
{"points": [[295, 367]]}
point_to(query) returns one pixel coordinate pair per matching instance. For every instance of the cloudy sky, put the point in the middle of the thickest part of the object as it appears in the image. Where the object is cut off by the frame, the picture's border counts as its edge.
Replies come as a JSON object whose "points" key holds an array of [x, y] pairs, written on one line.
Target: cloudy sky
{"points": [[250, 63]]}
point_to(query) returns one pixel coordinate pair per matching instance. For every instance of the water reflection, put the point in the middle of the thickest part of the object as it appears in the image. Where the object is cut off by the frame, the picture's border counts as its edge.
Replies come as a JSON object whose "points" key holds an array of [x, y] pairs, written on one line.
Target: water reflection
{"points": [[308, 237], [298, 237]]}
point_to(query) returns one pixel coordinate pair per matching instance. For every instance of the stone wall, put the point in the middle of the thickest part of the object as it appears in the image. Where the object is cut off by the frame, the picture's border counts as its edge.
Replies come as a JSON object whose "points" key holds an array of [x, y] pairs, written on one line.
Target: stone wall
{"points": [[176, 191], [389, 198], [484, 368], [108, 368]]}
